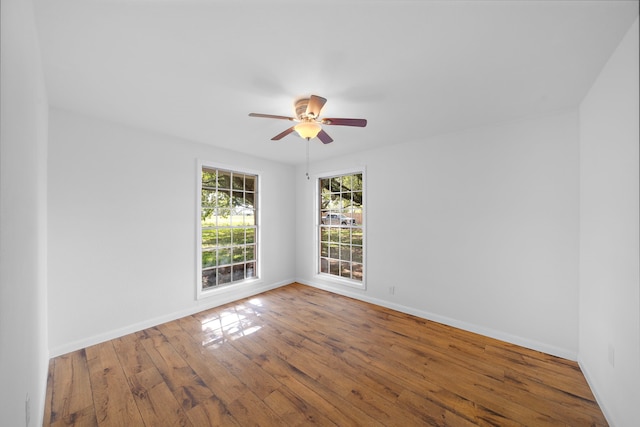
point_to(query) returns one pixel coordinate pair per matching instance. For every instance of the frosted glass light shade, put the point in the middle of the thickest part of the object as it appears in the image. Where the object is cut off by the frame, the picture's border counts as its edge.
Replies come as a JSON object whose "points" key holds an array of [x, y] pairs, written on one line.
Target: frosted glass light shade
{"points": [[308, 130]]}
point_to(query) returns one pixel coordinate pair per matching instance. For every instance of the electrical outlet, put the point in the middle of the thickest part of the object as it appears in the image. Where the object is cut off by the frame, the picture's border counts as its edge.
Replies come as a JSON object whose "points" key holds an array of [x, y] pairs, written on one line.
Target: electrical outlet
{"points": [[612, 355], [27, 410], [392, 290]]}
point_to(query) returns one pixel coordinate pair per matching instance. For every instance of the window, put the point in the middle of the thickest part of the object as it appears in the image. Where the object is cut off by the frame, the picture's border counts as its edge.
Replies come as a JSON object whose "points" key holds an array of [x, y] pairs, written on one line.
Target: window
{"points": [[341, 234], [228, 227]]}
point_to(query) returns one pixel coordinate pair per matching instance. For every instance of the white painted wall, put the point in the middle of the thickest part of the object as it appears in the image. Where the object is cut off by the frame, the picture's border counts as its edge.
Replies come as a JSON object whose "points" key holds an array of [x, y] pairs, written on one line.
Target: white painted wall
{"points": [[24, 352], [122, 234], [609, 230], [477, 229]]}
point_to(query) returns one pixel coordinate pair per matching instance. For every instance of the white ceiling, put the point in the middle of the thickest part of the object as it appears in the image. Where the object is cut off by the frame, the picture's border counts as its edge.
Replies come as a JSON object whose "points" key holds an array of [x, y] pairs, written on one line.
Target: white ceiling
{"points": [[195, 69]]}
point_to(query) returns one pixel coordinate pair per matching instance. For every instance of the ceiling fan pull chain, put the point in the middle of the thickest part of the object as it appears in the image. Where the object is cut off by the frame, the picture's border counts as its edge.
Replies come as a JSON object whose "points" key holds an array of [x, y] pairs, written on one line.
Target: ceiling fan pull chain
{"points": [[307, 173]]}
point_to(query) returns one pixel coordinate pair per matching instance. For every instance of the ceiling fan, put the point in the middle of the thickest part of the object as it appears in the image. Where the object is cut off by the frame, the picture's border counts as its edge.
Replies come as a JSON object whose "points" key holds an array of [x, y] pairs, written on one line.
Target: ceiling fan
{"points": [[309, 122]]}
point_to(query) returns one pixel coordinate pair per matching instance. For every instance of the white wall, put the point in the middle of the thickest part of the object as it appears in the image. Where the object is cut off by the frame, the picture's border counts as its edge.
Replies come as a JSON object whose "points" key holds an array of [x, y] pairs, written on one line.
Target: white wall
{"points": [[477, 229], [122, 233], [23, 229], [609, 244]]}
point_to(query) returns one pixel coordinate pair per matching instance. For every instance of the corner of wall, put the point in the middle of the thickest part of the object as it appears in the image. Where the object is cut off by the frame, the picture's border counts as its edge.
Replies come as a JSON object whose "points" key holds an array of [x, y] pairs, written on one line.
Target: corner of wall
{"points": [[609, 303]]}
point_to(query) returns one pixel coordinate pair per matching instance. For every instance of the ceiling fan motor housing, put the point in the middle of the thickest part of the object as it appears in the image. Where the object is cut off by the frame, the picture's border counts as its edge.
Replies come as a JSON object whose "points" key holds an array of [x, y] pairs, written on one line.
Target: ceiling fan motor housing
{"points": [[301, 108]]}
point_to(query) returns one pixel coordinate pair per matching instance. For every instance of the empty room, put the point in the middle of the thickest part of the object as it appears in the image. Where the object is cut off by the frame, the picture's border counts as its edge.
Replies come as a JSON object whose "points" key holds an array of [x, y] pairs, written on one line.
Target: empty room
{"points": [[281, 213]]}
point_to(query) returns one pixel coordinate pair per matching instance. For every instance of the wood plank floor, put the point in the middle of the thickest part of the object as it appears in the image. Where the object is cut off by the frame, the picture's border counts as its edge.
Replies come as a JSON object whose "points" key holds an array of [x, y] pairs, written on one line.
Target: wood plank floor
{"points": [[299, 356]]}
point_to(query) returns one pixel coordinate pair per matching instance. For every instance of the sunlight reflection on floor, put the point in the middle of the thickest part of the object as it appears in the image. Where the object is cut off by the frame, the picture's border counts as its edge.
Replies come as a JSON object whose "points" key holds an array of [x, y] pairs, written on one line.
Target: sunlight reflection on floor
{"points": [[231, 323]]}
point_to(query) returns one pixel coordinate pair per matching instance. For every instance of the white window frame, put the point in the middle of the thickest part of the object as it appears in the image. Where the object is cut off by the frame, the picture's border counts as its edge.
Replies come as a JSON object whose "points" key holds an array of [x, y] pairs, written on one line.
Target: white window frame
{"points": [[204, 293], [338, 280]]}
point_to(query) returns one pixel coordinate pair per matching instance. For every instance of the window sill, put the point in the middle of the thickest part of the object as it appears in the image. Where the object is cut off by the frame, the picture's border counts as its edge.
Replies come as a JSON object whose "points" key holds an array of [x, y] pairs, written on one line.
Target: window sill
{"points": [[335, 280], [226, 289]]}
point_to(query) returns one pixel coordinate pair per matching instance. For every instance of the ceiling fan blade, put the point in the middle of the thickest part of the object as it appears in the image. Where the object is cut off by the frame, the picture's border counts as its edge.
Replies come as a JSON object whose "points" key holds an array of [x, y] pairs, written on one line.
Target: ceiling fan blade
{"points": [[324, 137], [315, 105], [283, 134], [270, 116], [345, 122]]}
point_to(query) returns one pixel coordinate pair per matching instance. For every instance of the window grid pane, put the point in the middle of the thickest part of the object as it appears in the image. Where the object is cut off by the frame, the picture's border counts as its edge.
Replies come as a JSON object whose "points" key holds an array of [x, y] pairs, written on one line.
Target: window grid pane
{"points": [[340, 232], [228, 227]]}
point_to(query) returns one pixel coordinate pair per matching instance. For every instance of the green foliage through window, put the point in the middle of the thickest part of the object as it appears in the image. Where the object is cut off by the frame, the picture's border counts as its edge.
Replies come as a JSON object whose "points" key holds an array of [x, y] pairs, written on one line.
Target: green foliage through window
{"points": [[228, 227], [340, 232]]}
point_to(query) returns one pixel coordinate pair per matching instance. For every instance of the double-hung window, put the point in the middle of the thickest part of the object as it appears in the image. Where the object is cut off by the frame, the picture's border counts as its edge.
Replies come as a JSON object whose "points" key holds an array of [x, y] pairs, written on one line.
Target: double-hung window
{"points": [[228, 229], [341, 232]]}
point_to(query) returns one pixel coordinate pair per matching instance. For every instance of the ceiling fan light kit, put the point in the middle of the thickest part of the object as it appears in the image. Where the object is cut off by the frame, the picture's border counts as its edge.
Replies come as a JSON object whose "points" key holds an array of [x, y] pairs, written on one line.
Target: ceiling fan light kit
{"points": [[308, 129], [309, 122]]}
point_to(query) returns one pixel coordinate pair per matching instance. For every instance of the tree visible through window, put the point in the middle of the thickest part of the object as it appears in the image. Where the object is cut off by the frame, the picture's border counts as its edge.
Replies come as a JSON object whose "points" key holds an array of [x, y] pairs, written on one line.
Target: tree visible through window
{"points": [[341, 234], [228, 227]]}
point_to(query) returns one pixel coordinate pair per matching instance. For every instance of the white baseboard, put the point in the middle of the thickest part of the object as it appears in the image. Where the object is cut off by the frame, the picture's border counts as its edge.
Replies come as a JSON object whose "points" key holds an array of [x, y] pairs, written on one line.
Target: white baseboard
{"points": [[233, 295], [199, 305], [491, 333], [594, 390]]}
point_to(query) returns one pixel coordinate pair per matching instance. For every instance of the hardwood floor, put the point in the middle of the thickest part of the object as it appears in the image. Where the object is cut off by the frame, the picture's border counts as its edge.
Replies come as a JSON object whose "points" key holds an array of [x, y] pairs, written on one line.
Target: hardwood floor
{"points": [[298, 356]]}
